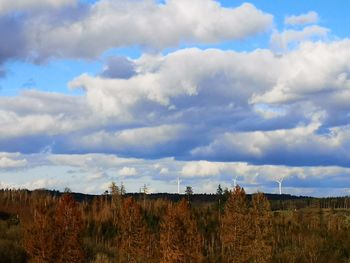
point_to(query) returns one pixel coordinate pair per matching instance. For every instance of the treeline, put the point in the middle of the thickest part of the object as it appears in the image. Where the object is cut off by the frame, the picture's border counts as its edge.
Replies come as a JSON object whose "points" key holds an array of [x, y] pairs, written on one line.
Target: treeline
{"points": [[42, 227]]}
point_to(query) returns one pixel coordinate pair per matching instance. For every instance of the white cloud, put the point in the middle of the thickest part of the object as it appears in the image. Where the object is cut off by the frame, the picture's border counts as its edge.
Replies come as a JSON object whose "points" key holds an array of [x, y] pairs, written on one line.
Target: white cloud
{"points": [[268, 112], [7, 6], [36, 102], [98, 175], [202, 175], [308, 18], [201, 168], [249, 111], [286, 146], [128, 139], [174, 98], [11, 160], [89, 160], [10, 155], [164, 170], [145, 23], [318, 68], [18, 126], [300, 140], [34, 113], [225, 80], [281, 40], [127, 171], [184, 73], [42, 183]]}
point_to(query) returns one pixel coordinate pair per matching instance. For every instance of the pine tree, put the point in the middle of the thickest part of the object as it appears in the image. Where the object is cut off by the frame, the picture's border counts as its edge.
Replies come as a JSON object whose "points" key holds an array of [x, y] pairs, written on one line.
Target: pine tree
{"points": [[219, 191], [134, 233], [261, 247], [116, 203], [54, 235], [179, 237], [39, 235], [68, 227], [235, 229]]}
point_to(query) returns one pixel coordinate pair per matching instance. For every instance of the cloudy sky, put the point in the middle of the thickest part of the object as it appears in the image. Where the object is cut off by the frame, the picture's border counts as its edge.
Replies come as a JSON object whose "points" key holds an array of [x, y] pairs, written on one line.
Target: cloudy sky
{"points": [[143, 91]]}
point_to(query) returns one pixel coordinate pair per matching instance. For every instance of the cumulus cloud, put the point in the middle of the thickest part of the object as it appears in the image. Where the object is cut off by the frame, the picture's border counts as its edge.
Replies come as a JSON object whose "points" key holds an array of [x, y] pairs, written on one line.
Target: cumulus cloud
{"points": [[282, 40], [322, 70], [187, 82], [11, 160], [127, 171], [159, 111], [137, 142], [35, 113], [299, 146], [102, 169], [14, 45], [191, 73], [201, 168], [260, 174], [20, 5], [88, 160], [119, 67], [308, 18], [146, 23], [71, 32], [210, 114]]}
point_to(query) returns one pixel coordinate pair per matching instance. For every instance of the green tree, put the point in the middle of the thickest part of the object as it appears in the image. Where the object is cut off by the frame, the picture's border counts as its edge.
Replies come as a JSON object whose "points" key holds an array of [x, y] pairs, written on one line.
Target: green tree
{"points": [[219, 190]]}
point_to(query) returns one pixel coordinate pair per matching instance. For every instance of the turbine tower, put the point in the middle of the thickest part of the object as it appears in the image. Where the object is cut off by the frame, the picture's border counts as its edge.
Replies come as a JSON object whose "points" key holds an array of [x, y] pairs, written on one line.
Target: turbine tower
{"points": [[235, 181], [178, 184], [279, 181]]}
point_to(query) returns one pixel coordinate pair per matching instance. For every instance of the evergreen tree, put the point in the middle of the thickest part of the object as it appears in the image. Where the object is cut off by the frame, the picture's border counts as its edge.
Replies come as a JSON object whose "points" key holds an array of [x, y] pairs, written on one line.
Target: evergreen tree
{"points": [[261, 247], [68, 228], [219, 191], [235, 231], [39, 235], [179, 237], [134, 234], [54, 236]]}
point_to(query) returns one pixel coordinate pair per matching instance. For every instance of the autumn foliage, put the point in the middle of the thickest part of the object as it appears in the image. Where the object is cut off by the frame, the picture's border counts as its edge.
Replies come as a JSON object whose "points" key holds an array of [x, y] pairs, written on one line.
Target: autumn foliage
{"points": [[179, 237], [44, 227], [54, 235]]}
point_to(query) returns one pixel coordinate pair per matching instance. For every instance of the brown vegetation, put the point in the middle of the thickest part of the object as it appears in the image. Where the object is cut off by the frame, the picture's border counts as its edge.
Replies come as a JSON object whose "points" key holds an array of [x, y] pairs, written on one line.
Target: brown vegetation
{"points": [[41, 227]]}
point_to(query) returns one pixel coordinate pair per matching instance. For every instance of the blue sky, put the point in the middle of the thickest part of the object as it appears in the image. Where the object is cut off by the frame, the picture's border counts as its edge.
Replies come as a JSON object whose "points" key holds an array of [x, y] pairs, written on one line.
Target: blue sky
{"points": [[142, 92]]}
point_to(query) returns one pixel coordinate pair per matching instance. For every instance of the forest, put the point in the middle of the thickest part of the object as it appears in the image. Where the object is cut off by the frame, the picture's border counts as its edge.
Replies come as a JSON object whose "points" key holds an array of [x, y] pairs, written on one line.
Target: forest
{"points": [[230, 226]]}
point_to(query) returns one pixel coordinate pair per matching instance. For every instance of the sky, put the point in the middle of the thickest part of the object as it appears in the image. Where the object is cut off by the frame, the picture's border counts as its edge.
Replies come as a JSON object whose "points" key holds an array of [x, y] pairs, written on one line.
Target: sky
{"points": [[144, 91]]}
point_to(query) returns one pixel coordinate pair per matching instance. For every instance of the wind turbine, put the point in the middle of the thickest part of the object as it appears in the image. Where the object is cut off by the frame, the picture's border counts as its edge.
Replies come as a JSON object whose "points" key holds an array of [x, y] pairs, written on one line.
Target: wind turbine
{"points": [[178, 184], [235, 181], [279, 181]]}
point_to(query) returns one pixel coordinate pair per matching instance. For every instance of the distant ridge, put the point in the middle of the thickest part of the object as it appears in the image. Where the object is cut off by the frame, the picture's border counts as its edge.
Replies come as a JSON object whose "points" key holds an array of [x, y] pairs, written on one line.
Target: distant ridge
{"points": [[171, 196]]}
